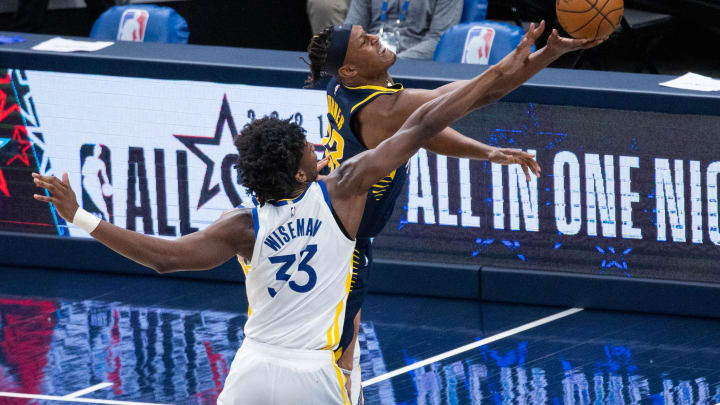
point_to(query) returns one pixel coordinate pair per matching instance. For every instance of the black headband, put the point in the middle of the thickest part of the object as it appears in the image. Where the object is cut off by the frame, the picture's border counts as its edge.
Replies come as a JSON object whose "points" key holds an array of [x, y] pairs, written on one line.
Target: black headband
{"points": [[339, 40]]}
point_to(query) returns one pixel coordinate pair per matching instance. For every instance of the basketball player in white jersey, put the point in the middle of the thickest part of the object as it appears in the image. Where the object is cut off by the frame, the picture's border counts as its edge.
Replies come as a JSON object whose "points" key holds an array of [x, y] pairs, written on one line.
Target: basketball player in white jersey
{"points": [[299, 239]]}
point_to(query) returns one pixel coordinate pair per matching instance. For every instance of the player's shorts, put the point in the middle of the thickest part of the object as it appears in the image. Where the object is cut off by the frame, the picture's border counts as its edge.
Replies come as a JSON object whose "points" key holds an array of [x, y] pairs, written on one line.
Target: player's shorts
{"points": [[264, 374], [362, 263]]}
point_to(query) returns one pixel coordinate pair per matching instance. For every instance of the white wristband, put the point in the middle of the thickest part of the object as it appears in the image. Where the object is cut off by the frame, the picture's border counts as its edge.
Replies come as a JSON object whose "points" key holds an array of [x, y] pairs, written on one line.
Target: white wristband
{"points": [[345, 371], [85, 220]]}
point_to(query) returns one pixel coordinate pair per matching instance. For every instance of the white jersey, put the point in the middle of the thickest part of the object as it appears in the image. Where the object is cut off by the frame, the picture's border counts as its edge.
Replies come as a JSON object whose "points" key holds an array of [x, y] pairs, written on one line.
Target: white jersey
{"points": [[299, 276]]}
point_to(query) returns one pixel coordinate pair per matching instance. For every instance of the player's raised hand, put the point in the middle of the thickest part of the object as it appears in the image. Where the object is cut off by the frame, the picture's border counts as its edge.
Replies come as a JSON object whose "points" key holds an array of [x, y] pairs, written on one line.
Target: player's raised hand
{"points": [[560, 45], [516, 59], [514, 156], [61, 194]]}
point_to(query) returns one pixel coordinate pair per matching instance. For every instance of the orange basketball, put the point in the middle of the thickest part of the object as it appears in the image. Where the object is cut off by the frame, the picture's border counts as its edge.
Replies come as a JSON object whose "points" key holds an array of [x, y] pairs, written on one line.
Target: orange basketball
{"points": [[589, 19]]}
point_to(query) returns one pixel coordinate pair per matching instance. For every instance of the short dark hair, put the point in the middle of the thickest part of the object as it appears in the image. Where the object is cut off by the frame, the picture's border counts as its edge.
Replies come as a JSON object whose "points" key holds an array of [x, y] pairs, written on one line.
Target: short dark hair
{"points": [[270, 153], [318, 53]]}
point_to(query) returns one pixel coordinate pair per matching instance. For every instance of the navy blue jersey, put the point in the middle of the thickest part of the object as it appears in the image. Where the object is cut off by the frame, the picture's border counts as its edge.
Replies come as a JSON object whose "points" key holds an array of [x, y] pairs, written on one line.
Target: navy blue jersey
{"points": [[341, 143]]}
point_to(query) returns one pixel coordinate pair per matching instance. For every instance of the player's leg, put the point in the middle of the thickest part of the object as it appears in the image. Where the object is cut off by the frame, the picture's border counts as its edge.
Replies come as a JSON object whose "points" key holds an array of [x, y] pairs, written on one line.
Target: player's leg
{"points": [[362, 263], [356, 397]]}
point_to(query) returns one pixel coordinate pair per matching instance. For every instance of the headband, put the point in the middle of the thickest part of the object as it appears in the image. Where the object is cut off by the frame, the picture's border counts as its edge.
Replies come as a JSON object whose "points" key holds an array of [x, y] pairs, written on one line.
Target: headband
{"points": [[339, 40]]}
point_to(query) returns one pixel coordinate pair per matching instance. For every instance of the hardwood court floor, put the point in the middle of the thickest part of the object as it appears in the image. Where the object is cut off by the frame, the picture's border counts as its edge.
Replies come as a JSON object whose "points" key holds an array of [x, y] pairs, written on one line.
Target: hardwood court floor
{"points": [[171, 341]]}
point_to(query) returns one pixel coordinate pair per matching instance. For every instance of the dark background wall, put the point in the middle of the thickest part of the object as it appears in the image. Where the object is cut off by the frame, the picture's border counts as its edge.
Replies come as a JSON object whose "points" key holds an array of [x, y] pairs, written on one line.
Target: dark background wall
{"points": [[267, 24], [283, 25]]}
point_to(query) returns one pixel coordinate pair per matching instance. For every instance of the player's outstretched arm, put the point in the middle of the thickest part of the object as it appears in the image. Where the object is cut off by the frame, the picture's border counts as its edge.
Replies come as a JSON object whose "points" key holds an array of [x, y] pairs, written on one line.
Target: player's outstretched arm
{"points": [[516, 68], [231, 234], [529, 66], [357, 175]]}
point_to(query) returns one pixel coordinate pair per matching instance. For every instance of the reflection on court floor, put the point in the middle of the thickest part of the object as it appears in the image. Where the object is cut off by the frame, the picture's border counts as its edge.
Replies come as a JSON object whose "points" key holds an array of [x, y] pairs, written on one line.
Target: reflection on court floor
{"points": [[179, 350]]}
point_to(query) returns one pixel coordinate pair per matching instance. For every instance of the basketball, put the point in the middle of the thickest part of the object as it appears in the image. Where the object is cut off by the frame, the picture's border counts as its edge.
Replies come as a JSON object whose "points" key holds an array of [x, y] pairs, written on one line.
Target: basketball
{"points": [[589, 19]]}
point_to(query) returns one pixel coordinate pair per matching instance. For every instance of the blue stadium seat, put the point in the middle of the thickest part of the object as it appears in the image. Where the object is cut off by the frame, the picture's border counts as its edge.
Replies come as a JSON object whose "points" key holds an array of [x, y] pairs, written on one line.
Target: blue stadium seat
{"points": [[141, 23], [483, 43], [474, 10]]}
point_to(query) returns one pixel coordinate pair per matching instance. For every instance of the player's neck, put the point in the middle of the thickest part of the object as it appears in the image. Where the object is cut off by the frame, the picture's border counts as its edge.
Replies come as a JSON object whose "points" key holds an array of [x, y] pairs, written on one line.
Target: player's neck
{"points": [[299, 190], [383, 80]]}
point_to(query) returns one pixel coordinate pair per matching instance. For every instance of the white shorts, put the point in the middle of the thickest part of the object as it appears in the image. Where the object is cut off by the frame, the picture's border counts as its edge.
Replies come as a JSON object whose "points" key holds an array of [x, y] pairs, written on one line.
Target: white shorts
{"points": [[264, 374]]}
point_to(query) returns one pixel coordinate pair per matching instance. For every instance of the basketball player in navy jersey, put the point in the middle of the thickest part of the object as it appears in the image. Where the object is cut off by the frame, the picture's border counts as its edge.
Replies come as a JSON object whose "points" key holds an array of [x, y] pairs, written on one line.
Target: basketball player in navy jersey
{"points": [[299, 240], [367, 107]]}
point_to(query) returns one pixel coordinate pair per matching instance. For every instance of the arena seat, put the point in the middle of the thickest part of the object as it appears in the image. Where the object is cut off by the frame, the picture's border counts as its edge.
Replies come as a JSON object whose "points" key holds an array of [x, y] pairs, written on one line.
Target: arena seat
{"points": [[474, 10], [141, 23], [482, 43]]}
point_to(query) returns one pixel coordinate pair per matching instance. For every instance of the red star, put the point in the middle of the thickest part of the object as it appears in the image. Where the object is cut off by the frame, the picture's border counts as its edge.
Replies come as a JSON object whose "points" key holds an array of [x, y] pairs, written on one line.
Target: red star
{"points": [[24, 145], [3, 185]]}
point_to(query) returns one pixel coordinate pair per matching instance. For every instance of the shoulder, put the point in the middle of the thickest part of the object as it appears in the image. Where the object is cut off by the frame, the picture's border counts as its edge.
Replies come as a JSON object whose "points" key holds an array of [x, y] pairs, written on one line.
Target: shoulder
{"points": [[237, 220], [383, 107]]}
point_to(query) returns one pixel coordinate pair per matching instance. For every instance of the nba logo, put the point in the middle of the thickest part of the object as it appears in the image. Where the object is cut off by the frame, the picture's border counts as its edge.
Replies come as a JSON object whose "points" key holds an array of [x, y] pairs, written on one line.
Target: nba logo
{"points": [[96, 181], [132, 25], [478, 45]]}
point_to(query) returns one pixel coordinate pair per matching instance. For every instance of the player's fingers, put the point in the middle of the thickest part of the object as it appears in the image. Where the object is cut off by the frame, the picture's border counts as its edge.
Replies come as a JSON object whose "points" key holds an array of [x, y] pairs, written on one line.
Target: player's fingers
{"points": [[42, 198], [322, 163], [43, 178], [65, 180], [591, 44], [44, 184], [521, 154], [525, 170], [536, 166]]}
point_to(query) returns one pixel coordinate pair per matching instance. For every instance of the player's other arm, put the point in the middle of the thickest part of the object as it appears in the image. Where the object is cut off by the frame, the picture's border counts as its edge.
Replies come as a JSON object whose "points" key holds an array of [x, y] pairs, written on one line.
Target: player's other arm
{"points": [[231, 234]]}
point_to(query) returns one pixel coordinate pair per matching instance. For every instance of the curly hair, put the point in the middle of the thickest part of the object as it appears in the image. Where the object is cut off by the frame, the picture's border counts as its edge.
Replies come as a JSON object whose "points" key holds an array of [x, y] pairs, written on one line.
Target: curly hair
{"points": [[318, 52], [270, 152]]}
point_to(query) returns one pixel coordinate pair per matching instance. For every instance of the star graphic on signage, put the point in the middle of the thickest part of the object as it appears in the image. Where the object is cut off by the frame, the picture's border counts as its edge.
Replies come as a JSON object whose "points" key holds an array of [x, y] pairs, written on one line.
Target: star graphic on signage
{"points": [[507, 137], [23, 146], [480, 245], [614, 259], [514, 246], [191, 142]]}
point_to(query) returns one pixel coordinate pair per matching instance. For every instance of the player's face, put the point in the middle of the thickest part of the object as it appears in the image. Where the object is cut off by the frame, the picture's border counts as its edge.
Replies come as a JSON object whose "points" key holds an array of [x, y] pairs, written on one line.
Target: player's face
{"points": [[308, 163], [367, 54]]}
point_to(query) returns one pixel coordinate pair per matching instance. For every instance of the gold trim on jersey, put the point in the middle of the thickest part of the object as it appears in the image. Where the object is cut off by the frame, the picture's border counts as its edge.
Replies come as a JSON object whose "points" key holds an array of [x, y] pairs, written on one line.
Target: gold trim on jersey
{"points": [[245, 265], [355, 266], [371, 96], [246, 269], [395, 87], [379, 189], [333, 333]]}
